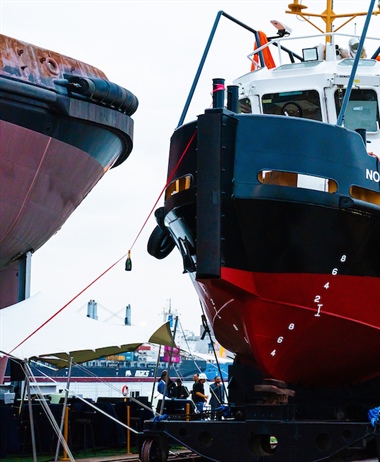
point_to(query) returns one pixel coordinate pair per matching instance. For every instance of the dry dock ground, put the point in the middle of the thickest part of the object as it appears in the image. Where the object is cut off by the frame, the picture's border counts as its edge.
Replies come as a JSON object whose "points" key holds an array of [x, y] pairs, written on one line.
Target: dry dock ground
{"points": [[176, 455]]}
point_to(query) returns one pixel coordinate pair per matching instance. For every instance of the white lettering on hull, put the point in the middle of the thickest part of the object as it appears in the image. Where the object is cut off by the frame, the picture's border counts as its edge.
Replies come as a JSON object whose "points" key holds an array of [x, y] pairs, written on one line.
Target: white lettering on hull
{"points": [[372, 175]]}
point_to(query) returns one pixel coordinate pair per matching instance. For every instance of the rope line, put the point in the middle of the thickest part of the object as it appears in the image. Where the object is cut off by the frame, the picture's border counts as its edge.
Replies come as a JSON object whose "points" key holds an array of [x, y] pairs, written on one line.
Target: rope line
{"points": [[48, 412], [28, 193], [163, 189], [66, 305], [121, 258]]}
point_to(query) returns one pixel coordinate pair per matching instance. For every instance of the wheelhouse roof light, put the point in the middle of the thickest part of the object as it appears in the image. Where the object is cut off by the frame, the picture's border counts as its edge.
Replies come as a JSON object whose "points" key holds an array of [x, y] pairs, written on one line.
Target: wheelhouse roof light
{"points": [[310, 54]]}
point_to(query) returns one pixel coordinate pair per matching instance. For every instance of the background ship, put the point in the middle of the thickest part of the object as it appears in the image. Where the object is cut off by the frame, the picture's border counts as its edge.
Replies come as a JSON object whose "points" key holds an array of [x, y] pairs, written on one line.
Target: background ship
{"points": [[147, 362], [63, 125], [193, 356]]}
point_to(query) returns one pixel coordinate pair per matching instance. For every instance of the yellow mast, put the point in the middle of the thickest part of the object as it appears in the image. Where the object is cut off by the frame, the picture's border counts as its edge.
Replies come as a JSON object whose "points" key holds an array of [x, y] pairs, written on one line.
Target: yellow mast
{"points": [[328, 16]]}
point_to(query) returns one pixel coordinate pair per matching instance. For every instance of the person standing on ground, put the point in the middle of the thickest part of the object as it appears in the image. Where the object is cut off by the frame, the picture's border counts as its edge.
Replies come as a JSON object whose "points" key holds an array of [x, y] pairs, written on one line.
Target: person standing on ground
{"points": [[195, 378], [180, 391], [199, 396], [216, 395], [167, 382]]}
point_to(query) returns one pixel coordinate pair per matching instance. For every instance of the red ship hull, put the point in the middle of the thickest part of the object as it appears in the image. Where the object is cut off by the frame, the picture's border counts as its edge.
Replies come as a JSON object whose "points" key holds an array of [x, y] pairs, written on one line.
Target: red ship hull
{"points": [[277, 316]]}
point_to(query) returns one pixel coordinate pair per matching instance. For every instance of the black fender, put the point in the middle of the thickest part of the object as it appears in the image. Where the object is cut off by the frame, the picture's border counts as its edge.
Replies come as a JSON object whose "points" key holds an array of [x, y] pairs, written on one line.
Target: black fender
{"points": [[160, 243]]}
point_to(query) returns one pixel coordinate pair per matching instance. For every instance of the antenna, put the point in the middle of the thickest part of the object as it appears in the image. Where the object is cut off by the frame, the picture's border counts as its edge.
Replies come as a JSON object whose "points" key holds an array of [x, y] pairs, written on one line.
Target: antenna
{"points": [[328, 16], [282, 29]]}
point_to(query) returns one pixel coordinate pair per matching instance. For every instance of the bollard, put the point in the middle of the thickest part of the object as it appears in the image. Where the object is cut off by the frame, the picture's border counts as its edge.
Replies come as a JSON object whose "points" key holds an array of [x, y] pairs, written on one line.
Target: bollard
{"points": [[128, 431], [217, 93], [65, 433]]}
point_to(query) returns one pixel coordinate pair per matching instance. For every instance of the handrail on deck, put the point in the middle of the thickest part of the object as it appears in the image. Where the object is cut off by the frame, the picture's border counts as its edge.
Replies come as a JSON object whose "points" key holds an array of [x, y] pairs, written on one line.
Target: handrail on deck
{"points": [[278, 42], [205, 53]]}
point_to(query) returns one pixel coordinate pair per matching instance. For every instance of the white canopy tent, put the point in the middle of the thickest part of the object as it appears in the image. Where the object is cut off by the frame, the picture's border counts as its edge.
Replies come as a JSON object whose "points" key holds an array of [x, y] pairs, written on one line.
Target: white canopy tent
{"points": [[31, 330], [38, 328]]}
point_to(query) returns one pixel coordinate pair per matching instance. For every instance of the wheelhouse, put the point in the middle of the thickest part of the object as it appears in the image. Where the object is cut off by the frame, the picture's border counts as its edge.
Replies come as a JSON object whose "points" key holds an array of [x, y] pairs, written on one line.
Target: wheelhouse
{"points": [[314, 89]]}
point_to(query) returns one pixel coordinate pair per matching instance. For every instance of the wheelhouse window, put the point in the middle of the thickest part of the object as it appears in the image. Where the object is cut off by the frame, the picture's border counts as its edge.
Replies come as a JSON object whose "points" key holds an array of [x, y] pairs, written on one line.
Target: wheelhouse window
{"points": [[298, 180], [362, 109], [178, 185], [305, 104]]}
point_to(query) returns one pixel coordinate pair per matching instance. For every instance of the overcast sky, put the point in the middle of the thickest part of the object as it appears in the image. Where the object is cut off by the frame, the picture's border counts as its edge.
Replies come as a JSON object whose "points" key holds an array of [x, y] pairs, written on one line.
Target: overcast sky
{"points": [[153, 49]]}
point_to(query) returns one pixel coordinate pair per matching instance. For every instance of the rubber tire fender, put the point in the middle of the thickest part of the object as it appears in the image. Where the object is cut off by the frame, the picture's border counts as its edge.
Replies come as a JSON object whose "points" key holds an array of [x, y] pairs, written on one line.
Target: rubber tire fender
{"points": [[160, 243]]}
